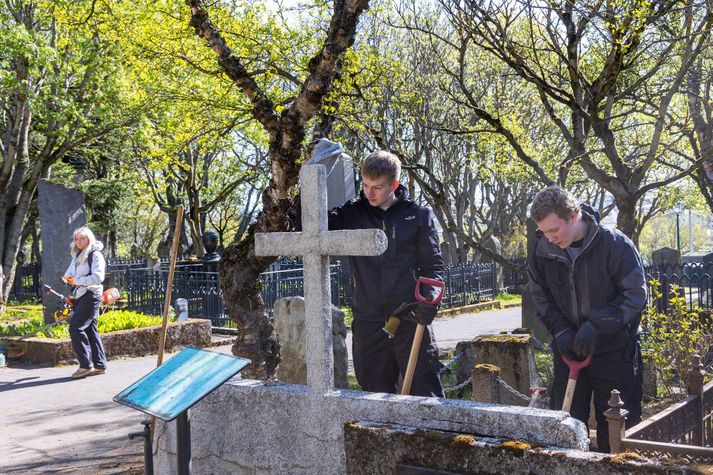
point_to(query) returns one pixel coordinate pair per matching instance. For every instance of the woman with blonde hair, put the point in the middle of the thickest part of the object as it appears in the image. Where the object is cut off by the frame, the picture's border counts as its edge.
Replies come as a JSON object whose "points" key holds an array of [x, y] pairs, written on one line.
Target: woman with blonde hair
{"points": [[85, 274]]}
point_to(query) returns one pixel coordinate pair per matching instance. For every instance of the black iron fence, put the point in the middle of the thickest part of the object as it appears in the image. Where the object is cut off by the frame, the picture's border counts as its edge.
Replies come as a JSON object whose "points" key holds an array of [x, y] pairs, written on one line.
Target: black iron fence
{"points": [[28, 282], [693, 281], [468, 284], [145, 288]]}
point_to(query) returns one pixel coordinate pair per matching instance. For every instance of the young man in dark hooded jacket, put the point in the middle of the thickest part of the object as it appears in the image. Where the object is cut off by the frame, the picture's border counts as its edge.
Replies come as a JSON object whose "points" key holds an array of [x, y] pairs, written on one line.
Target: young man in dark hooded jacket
{"points": [[589, 288], [380, 284]]}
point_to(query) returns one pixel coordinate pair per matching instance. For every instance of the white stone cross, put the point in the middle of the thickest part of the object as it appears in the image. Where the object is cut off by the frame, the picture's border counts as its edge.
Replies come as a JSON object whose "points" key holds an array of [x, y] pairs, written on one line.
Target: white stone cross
{"points": [[315, 243]]}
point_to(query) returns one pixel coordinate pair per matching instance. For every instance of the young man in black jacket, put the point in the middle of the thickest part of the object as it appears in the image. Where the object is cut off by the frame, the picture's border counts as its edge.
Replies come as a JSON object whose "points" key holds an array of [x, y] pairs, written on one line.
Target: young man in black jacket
{"points": [[380, 284], [589, 289]]}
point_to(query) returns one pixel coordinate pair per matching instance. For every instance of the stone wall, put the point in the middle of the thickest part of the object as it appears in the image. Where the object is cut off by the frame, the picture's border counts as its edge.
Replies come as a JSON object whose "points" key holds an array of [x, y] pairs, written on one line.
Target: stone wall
{"points": [[256, 427], [134, 342]]}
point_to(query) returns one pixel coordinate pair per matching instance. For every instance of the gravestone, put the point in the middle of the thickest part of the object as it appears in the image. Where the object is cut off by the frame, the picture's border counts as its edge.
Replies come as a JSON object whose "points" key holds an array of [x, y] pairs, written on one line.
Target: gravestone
{"points": [[513, 354], [339, 169], [315, 243], [493, 244], [529, 311], [61, 212], [289, 315], [704, 258], [248, 426], [446, 253], [666, 255]]}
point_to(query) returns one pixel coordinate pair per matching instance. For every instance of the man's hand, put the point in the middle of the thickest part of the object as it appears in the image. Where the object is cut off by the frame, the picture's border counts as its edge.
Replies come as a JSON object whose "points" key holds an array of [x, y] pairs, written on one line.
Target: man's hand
{"points": [[426, 313], [564, 341], [586, 340], [69, 281], [421, 313]]}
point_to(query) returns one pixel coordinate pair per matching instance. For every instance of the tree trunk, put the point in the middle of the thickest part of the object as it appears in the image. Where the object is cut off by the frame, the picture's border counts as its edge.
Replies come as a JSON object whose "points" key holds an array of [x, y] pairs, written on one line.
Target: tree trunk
{"points": [[239, 267], [627, 220]]}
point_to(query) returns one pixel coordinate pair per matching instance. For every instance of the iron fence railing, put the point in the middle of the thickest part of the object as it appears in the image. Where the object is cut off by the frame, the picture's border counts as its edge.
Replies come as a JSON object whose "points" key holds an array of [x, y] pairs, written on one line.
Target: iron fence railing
{"points": [[683, 431], [28, 282], [468, 284]]}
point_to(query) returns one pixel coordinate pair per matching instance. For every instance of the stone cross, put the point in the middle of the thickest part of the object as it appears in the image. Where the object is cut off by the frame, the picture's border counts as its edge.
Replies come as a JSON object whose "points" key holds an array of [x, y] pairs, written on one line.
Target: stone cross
{"points": [[315, 243]]}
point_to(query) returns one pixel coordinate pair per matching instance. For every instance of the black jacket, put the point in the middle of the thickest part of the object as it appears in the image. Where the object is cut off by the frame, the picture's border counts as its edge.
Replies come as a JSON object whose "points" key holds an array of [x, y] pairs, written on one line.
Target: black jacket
{"points": [[381, 283], [606, 279]]}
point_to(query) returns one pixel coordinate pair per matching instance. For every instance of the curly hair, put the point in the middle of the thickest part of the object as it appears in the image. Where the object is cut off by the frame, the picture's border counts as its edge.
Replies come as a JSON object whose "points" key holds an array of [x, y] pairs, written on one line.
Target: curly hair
{"points": [[553, 199]]}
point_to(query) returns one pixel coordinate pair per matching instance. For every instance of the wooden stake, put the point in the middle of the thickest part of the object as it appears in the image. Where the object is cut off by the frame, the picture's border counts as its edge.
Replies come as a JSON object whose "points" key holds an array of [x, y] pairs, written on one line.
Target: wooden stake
{"points": [[169, 284]]}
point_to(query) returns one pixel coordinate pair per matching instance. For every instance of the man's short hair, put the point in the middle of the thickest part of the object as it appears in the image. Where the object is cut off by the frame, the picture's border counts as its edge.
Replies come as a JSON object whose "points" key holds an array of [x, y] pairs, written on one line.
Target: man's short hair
{"points": [[381, 164], [554, 199]]}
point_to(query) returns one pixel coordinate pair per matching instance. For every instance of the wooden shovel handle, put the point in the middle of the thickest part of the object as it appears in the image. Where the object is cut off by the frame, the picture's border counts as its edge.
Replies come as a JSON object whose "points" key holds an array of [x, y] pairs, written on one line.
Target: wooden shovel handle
{"points": [[413, 357], [569, 395]]}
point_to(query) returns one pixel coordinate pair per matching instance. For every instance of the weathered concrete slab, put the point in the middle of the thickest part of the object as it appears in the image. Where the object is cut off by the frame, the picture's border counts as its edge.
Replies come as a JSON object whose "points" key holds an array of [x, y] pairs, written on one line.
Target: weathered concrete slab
{"points": [[402, 449], [283, 428]]}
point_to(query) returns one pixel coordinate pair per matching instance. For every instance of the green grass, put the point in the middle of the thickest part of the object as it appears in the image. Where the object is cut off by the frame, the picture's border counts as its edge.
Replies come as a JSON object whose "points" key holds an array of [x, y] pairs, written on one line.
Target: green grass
{"points": [[509, 297], [352, 383], [348, 316], [111, 321], [544, 364]]}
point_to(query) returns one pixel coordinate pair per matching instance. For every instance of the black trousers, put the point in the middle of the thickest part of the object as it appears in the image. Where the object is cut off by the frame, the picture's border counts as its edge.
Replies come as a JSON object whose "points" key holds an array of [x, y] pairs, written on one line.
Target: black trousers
{"points": [[84, 333], [619, 369], [380, 360]]}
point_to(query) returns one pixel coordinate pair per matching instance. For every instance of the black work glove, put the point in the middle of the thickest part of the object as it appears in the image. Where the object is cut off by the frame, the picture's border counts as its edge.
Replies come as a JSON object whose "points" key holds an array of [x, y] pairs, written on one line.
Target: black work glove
{"points": [[426, 313], [564, 341], [586, 340], [607, 324], [422, 313]]}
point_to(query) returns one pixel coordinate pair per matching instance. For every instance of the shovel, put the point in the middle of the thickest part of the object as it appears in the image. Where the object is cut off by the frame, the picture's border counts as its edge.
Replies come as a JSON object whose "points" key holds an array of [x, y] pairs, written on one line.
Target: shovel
{"points": [[418, 336], [574, 368]]}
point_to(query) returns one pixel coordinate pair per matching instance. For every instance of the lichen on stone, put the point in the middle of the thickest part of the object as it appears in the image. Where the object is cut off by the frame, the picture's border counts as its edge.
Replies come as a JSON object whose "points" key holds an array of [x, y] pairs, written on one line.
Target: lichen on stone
{"points": [[516, 447], [488, 367], [463, 439]]}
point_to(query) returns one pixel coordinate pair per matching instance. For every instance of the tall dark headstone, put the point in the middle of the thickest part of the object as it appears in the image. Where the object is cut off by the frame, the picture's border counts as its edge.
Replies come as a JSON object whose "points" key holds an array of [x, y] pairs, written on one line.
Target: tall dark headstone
{"points": [[493, 244], [61, 212], [529, 314]]}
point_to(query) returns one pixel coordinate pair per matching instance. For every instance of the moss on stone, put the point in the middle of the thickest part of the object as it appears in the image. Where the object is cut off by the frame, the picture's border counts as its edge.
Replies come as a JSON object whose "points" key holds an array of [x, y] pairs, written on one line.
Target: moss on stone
{"points": [[522, 340], [626, 457], [488, 367], [464, 440], [515, 447]]}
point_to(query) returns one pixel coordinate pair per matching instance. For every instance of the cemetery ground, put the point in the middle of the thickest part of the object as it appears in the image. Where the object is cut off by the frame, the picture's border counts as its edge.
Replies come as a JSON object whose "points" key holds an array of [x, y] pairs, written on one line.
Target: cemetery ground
{"points": [[54, 424]]}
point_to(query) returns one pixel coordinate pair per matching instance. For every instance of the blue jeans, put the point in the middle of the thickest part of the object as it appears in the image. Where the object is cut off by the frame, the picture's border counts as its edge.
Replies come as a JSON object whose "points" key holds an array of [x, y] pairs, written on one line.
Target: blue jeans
{"points": [[85, 336]]}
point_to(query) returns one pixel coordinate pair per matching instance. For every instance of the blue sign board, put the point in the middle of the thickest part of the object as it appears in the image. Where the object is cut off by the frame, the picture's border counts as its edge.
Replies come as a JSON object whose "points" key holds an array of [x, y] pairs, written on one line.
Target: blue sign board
{"points": [[180, 382]]}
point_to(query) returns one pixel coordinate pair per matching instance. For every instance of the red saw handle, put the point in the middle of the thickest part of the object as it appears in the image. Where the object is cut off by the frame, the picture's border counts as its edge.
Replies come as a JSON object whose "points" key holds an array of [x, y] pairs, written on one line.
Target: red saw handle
{"points": [[428, 281], [575, 366]]}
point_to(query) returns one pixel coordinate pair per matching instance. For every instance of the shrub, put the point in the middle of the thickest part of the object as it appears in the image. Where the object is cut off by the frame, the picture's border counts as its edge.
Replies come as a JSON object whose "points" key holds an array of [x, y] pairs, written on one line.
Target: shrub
{"points": [[670, 339], [111, 321]]}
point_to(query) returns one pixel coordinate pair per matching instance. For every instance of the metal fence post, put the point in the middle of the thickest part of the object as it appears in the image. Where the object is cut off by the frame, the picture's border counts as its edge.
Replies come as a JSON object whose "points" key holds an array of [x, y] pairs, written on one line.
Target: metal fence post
{"points": [[695, 388], [616, 417]]}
